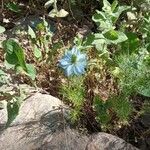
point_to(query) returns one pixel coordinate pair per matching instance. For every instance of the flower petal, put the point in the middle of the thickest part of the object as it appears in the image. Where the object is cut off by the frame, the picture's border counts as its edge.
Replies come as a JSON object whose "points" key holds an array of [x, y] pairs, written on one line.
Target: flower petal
{"points": [[81, 57], [69, 70], [78, 70], [64, 64]]}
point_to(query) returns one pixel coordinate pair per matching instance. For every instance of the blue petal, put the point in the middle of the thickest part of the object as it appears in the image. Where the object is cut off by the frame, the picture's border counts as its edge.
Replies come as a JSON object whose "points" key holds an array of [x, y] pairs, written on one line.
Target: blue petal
{"points": [[75, 51], [69, 70], [64, 64], [81, 64], [81, 57], [78, 70]]}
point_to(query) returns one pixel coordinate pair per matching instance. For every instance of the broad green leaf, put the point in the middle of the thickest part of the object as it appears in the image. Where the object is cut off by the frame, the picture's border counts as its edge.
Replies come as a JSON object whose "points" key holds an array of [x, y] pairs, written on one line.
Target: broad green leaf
{"points": [[11, 58], [89, 40], [20, 54], [111, 35], [12, 111], [114, 5], [131, 44], [8, 46], [14, 53], [98, 16], [31, 71], [145, 90], [121, 38], [37, 52], [31, 32], [2, 29], [13, 7]]}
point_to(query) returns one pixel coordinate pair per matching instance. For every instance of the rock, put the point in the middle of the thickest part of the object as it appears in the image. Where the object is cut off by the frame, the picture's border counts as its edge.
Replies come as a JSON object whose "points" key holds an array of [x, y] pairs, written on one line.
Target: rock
{"points": [[3, 115], [43, 124], [104, 141]]}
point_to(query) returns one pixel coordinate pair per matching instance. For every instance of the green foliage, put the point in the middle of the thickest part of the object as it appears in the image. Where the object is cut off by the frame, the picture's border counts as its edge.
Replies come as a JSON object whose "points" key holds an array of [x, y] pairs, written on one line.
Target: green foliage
{"points": [[41, 40], [134, 72], [131, 45], [102, 110], [105, 21], [119, 105], [122, 107], [73, 91], [13, 7], [15, 56], [55, 12]]}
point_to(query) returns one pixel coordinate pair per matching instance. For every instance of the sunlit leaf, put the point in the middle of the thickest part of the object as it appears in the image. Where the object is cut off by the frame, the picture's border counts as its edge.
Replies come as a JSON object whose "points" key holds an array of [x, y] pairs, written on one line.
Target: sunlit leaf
{"points": [[62, 13], [49, 3], [37, 52], [31, 71], [31, 32], [2, 29]]}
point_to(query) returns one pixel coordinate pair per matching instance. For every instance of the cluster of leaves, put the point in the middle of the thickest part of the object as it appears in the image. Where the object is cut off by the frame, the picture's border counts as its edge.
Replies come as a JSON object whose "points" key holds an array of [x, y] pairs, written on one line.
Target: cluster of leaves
{"points": [[128, 63]]}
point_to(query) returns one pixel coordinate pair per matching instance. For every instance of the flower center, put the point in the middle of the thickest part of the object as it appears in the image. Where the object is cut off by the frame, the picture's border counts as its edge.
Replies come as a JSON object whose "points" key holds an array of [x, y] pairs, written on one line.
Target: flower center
{"points": [[73, 59]]}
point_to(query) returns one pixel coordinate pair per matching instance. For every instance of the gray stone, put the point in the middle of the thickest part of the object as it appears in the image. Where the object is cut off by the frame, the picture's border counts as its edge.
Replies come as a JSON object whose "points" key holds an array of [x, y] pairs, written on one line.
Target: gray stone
{"points": [[104, 141], [43, 124], [3, 115]]}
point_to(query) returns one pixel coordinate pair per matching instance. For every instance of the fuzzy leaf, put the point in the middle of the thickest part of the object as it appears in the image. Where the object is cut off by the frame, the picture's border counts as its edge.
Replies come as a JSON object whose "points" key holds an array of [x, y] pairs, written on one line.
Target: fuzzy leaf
{"points": [[37, 52], [31, 71], [31, 32], [2, 29], [49, 3], [111, 35], [62, 13]]}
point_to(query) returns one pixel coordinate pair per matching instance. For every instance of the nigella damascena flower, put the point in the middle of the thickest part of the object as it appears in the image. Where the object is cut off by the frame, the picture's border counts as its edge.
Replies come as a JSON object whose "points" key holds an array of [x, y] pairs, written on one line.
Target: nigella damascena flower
{"points": [[73, 62]]}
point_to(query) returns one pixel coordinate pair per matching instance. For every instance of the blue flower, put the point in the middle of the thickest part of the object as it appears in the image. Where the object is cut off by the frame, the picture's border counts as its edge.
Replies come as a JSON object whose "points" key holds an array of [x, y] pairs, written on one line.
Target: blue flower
{"points": [[73, 62]]}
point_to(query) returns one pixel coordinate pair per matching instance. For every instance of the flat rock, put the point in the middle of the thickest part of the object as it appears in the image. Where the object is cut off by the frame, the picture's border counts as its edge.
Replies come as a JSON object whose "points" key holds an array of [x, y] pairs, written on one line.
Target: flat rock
{"points": [[104, 141], [43, 124]]}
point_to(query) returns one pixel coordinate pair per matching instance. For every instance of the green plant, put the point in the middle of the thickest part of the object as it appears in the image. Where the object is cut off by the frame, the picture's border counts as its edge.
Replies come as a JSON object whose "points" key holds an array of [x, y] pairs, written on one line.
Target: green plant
{"points": [[55, 12], [73, 91], [116, 105], [133, 72], [108, 33], [122, 107], [13, 6], [40, 39], [15, 58], [102, 110]]}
